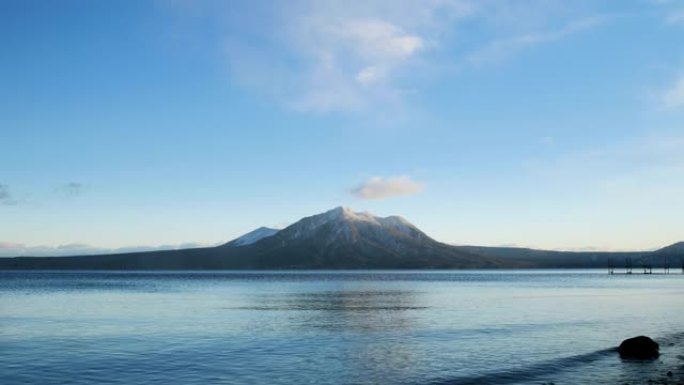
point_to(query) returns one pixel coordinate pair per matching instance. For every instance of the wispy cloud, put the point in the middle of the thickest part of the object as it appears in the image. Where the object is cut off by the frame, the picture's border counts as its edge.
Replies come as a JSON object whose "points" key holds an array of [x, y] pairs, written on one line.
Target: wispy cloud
{"points": [[503, 48], [382, 188], [674, 97], [6, 197], [326, 56], [625, 194], [637, 170], [676, 17], [674, 13], [354, 62]]}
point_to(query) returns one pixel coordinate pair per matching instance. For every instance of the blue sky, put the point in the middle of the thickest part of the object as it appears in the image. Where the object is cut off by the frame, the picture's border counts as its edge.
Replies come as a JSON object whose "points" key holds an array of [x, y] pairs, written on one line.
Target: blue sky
{"points": [[147, 124]]}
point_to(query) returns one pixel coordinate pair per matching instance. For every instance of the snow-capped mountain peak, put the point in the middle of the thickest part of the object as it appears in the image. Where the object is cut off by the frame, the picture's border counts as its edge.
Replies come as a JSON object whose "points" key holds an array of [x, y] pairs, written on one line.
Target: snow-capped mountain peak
{"points": [[339, 227], [345, 223], [345, 213]]}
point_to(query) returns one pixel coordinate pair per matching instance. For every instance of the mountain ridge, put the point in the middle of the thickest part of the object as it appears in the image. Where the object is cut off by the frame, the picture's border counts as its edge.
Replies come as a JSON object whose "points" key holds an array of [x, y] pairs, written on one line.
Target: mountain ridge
{"points": [[342, 239]]}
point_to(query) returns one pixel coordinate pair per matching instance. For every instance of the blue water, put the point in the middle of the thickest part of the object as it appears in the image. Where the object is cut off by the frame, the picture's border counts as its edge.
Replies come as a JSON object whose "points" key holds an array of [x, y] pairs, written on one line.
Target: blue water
{"points": [[511, 327]]}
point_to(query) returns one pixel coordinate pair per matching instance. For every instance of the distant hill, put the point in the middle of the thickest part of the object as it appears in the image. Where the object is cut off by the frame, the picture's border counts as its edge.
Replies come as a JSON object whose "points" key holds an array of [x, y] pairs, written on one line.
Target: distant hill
{"points": [[552, 259], [253, 236], [676, 249], [343, 239]]}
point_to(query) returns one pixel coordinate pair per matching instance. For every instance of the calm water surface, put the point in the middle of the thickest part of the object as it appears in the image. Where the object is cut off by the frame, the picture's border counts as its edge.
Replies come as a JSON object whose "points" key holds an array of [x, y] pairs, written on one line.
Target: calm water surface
{"points": [[477, 327]]}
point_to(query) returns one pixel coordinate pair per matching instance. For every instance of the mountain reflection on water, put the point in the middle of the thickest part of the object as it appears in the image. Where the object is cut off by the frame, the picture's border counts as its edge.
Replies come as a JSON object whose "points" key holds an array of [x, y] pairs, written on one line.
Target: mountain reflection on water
{"points": [[343, 310]]}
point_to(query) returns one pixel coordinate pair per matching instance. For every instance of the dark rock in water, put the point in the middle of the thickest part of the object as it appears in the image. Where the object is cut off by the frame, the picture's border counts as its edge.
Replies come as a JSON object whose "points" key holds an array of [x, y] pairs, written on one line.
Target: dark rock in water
{"points": [[639, 348]]}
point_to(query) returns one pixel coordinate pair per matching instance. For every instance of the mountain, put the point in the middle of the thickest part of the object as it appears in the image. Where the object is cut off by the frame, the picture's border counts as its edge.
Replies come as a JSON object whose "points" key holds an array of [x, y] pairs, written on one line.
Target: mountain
{"points": [[253, 236], [342, 239]]}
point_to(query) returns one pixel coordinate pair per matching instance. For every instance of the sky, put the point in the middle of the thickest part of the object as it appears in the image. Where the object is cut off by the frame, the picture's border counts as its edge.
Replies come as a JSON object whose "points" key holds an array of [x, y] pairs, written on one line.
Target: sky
{"points": [[135, 125]]}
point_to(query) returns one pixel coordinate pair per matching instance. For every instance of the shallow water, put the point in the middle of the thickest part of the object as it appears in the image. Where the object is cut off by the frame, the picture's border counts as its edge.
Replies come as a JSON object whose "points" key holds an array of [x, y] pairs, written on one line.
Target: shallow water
{"points": [[475, 327]]}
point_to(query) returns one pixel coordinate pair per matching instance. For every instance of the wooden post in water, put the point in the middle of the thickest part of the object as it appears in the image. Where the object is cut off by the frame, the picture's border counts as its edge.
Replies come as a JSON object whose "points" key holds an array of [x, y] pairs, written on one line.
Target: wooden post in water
{"points": [[648, 267], [611, 271], [667, 266]]}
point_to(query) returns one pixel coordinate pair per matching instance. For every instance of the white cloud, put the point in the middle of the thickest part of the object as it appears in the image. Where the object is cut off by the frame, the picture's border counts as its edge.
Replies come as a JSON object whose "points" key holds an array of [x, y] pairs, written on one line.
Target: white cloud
{"points": [[369, 75], [382, 188], [363, 57], [327, 56], [354, 61], [379, 39], [674, 97]]}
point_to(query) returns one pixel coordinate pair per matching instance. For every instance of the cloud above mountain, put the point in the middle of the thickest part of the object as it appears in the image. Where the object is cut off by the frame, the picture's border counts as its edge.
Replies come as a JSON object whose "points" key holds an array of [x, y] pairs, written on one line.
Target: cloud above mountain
{"points": [[377, 188]]}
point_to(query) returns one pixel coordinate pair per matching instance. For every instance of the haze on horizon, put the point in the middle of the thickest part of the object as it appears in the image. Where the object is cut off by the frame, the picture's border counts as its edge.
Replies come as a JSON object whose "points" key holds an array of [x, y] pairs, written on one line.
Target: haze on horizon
{"points": [[539, 123]]}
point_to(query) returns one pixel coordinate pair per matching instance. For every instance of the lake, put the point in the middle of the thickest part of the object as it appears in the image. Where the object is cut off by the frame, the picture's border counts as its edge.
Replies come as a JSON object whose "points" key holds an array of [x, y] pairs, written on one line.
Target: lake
{"points": [[362, 327]]}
